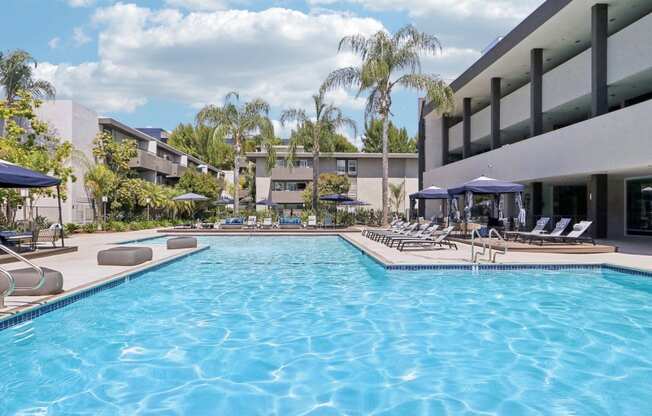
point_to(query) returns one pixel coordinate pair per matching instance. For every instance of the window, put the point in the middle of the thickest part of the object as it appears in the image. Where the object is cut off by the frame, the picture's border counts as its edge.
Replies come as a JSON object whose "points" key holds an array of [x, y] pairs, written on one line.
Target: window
{"points": [[639, 206], [352, 168], [304, 163], [341, 167], [290, 186], [280, 163]]}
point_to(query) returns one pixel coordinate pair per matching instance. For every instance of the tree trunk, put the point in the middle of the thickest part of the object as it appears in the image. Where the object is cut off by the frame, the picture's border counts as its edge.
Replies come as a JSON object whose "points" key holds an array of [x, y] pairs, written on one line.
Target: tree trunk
{"points": [[315, 172], [385, 119], [236, 181]]}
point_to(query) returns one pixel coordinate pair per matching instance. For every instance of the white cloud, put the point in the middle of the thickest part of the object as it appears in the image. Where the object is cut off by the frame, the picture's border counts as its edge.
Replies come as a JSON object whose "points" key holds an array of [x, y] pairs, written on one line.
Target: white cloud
{"points": [[277, 54], [486, 9], [80, 3], [201, 5], [80, 37], [54, 43]]}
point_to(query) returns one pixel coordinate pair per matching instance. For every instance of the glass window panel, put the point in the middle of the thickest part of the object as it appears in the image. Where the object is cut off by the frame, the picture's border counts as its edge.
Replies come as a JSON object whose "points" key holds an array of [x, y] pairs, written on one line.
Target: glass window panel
{"points": [[639, 206]]}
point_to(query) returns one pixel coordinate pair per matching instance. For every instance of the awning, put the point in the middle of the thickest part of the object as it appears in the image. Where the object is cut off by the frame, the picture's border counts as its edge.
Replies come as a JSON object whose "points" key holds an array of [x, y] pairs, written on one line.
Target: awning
{"points": [[14, 176], [485, 185], [433, 192]]}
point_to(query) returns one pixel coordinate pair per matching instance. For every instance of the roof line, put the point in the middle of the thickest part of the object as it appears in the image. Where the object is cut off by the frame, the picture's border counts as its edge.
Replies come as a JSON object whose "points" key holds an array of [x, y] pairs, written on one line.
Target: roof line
{"points": [[532, 22]]}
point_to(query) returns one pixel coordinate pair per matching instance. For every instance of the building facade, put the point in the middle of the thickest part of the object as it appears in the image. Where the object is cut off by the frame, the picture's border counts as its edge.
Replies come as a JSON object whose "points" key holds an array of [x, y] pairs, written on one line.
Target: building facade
{"points": [[285, 186], [156, 161], [561, 104]]}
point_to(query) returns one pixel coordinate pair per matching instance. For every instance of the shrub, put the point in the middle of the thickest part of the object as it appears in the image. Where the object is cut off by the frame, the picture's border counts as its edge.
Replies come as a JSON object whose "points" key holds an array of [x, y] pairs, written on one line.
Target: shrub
{"points": [[70, 228], [91, 227]]}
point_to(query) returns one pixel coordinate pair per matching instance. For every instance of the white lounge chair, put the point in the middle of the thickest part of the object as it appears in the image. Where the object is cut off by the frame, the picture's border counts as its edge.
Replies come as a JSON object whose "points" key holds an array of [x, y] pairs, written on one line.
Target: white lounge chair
{"points": [[267, 223], [575, 236], [539, 228], [439, 239], [312, 221], [561, 225], [251, 221]]}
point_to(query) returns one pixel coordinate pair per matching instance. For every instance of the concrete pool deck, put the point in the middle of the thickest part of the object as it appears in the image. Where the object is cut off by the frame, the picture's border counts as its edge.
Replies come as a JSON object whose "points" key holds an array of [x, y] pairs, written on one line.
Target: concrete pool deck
{"points": [[81, 271]]}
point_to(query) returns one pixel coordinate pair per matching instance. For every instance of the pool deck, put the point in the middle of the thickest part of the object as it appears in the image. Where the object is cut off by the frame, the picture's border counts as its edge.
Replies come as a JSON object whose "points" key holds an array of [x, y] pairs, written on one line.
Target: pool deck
{"points": [[81, 271]]}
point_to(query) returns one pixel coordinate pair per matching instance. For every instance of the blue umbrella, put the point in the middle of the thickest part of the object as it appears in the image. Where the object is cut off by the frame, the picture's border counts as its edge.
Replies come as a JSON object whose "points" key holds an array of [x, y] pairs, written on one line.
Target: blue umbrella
{"points": [[267, 202], [433, 192], [355, 203], [335, 198], [224, 200]]}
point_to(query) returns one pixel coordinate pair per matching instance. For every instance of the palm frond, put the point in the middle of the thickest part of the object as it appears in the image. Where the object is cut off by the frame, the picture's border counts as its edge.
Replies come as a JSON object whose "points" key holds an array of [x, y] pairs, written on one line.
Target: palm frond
{"points": [[342, 78], [437, 90], [358, 44]]}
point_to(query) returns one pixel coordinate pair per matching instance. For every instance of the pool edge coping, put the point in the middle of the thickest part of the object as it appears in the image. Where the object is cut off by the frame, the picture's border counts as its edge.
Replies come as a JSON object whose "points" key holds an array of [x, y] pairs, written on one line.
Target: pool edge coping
{"points": [[21, 314]]}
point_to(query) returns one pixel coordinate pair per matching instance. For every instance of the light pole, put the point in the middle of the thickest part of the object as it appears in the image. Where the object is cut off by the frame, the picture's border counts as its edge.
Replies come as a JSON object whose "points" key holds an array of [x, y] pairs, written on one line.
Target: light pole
{"points": [[105, 199], [147, 201]]}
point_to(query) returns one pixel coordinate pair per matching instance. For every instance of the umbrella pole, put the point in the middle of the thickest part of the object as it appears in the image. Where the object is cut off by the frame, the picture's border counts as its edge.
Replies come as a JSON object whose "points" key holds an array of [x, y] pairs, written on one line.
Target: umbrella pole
{"points": [[60, 216]]}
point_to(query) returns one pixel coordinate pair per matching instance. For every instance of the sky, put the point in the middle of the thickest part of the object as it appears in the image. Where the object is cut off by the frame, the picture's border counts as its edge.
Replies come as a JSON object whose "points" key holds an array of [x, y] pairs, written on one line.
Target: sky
{"points": [[155, 63]]}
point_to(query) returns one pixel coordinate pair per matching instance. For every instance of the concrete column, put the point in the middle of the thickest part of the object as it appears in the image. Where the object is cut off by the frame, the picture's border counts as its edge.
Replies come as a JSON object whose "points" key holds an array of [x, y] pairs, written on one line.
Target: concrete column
{"points": [[597, 205], [537, 200], [444, 140], [599, 34], [495, 113], [536, 92], [466, 127]]}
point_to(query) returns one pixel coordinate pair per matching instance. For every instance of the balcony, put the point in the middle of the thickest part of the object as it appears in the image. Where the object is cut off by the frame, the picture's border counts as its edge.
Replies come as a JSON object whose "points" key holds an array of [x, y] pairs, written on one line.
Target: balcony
{"points": [[149, 161], [294, 174]]}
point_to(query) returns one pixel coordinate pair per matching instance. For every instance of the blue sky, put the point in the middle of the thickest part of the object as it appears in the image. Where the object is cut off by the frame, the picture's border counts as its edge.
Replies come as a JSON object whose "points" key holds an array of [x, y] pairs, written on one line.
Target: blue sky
{"points": [[156, 62]]}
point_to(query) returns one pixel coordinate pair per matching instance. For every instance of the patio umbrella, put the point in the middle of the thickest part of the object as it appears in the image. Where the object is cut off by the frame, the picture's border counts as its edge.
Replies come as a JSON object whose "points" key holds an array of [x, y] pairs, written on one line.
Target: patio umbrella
{"points": [[268, 203], [355, 203], [336, 198], [485, 185], [224, 200], [190, 197]]}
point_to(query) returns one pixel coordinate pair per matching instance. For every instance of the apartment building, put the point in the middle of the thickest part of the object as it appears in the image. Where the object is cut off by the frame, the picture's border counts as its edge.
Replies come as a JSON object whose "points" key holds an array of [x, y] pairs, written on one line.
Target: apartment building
{"points": [[285, 185], [561, 104], [156, 161]]}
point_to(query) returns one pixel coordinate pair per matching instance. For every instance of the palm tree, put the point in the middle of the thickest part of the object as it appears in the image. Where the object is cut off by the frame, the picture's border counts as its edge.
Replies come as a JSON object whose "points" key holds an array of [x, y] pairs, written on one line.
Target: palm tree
{"points": [[398, 195], [16, 73], [390, 61], [327, 119], [241, 122]]}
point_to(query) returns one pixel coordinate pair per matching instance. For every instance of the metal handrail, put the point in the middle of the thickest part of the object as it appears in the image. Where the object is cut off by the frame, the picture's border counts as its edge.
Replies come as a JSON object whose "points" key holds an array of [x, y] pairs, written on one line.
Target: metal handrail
{"points": [[10, 289], [474, 255], [18, 257], [493, 231]]}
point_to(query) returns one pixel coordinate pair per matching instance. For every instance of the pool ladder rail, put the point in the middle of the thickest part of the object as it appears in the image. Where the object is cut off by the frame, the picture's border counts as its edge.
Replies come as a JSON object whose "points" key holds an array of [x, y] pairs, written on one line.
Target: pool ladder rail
{"points": [[12, 282], [487, 243]]}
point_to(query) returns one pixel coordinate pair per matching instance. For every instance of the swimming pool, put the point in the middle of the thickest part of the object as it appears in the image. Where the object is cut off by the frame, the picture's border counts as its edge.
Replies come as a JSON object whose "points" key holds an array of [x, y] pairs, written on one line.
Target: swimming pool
{"points": [[309, 325]]}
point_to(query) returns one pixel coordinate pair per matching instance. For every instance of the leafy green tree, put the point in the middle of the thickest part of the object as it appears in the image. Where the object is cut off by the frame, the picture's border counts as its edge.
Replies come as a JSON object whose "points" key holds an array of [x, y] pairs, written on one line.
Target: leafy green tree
{"points": [[29, 143], [200, 142], [241, 122], [99, 181], [200, 183], [328, 183], [114, 154], [317, 131], [399, 140], [390, 61], [17, 74]]}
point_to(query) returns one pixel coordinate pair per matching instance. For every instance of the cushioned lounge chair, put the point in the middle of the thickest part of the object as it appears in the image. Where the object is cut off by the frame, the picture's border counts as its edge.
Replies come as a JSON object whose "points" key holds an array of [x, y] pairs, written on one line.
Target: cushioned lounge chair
{"points": [[539, 228], [232, 224], [251, 221], [438, 239], [560, 227], [290, 223], [312, 221], [267, 223], [576, 236], [424, 232]]}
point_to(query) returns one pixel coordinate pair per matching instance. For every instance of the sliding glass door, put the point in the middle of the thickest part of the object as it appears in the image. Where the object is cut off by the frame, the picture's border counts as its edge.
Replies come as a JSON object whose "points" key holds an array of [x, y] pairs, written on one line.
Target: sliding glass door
{"points": [[639, 206]]}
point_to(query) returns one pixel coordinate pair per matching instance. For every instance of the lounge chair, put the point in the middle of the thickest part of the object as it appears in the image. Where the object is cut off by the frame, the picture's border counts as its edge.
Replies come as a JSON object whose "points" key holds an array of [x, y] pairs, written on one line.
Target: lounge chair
{"points": [[561, 225], [251, 221], [328, 222], [424, 232], [575, 236], [393, 225], [49, 236], [267, 223], [539, 228], [439, 239], [380, 236], [232, 224], [312, 221], [290, 223]]}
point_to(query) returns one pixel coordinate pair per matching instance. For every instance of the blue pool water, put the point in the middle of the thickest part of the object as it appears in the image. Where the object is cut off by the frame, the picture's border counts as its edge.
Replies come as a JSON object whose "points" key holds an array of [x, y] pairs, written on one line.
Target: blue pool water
{"points": [[309, 326]]}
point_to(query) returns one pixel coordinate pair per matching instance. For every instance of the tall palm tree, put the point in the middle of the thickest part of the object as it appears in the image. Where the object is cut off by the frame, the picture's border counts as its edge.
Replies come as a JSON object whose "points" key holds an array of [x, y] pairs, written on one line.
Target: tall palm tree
{"points": [[327, 119], [241, 122], [390, 61], [16, 73]]}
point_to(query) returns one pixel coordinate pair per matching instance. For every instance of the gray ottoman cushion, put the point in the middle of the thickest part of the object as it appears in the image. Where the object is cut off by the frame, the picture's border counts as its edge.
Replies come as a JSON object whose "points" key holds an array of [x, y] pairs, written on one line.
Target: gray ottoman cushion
{"points": [[181, 242], [124, 256], [26, 278]]}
